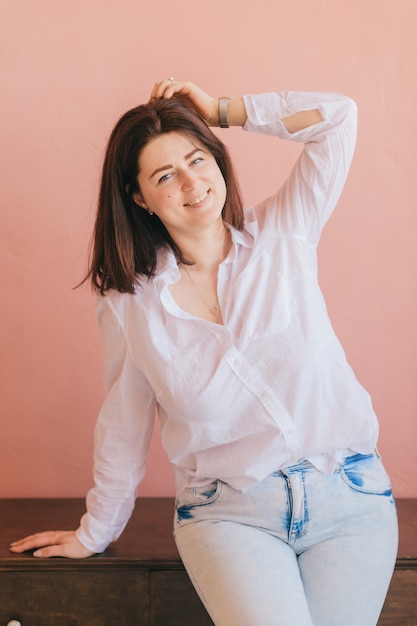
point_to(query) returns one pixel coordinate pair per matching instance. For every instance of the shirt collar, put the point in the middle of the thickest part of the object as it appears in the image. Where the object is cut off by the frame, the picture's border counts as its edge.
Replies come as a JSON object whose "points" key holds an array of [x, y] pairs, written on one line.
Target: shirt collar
{"points": [[241, 237], [167, 269]]}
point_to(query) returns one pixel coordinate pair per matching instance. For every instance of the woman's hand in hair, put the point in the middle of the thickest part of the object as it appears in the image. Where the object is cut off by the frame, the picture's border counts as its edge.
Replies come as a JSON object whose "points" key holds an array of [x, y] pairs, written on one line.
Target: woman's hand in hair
{"points": [[53, 543], [205, 105]]}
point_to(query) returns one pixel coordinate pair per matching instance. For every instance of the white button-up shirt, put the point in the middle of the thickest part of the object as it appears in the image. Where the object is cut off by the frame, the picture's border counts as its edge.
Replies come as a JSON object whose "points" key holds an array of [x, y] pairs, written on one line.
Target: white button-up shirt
{"points": [[269, 387]]}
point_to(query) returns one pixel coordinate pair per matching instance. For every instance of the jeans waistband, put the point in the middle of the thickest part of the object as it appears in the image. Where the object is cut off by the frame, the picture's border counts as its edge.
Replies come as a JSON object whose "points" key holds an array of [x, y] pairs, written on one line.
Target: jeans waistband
{"points": [[341, 457]]}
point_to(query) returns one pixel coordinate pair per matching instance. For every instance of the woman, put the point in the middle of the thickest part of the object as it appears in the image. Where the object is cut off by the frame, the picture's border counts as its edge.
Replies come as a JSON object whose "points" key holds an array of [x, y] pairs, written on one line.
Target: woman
{"points": [[214, 319]]}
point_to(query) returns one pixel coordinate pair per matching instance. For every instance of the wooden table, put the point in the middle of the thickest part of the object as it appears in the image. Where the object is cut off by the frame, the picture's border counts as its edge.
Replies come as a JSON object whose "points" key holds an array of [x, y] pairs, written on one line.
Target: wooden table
{"points": [[140, 580]]}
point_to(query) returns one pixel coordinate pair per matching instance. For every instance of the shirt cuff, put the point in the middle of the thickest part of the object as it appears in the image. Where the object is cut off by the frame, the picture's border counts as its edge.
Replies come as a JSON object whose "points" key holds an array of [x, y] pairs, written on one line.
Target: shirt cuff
{"points": [[95, 535]]}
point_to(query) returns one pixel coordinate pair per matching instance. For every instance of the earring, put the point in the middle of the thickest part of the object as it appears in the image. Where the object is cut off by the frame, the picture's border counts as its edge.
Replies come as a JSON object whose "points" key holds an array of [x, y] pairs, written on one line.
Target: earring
{"points": [[149, 212]]}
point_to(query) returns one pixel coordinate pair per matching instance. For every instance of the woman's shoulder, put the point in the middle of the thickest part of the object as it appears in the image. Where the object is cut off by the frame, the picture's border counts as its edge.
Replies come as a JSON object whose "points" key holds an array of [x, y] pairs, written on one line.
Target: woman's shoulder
{"points": [[119, 302], [144, 288]]}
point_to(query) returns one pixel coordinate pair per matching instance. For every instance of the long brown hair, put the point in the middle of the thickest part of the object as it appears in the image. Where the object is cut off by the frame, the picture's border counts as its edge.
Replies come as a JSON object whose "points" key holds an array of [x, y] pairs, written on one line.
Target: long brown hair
{"points": [[126, 239]]}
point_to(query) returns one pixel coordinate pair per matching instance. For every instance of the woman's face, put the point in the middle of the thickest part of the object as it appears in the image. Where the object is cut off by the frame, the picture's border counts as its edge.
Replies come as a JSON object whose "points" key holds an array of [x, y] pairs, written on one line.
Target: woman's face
{"points": [[181, 183]]}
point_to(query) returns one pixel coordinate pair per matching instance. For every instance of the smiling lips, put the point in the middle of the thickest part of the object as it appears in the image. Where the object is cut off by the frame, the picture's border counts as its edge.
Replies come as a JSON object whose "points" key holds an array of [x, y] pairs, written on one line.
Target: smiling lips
{"points": [[198, 200]]}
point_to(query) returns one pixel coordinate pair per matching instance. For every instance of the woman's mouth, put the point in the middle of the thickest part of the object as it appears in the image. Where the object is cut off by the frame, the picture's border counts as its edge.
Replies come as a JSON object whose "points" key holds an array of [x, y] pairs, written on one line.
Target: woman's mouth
{"points": [[197, 200]]}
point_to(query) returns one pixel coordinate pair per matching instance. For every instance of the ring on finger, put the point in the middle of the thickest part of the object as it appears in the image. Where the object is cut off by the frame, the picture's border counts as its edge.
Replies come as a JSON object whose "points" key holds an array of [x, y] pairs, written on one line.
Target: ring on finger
{"points": [[171, 80]]}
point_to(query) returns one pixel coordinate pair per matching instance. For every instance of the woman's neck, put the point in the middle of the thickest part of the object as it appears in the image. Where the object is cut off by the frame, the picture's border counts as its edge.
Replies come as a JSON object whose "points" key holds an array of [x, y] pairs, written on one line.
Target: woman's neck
{"points": [[206, 250]]}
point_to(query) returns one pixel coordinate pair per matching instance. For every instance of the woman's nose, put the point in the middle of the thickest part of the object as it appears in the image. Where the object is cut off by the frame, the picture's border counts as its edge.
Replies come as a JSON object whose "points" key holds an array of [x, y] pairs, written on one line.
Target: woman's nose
{"points": [[188, 180]]}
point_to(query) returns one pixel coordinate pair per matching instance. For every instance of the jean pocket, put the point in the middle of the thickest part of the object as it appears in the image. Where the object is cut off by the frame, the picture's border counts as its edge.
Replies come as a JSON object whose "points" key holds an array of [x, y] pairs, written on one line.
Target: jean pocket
{"points": [[190, 499], [365, 473]]}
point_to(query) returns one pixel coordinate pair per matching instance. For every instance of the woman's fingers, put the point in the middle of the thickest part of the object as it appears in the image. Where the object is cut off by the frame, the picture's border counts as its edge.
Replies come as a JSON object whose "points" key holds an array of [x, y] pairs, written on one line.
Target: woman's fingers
{"points": [[52, 543], [33, 541], [167, 88]]}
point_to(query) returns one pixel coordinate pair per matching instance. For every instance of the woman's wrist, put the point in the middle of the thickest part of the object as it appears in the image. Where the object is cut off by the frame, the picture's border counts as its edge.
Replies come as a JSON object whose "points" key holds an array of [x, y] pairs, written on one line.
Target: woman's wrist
{"points": [[233, 111]]}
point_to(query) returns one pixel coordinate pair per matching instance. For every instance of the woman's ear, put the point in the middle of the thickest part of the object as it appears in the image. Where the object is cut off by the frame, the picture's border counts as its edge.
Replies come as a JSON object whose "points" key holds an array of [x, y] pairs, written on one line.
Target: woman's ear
{"points": [[139, 200]]}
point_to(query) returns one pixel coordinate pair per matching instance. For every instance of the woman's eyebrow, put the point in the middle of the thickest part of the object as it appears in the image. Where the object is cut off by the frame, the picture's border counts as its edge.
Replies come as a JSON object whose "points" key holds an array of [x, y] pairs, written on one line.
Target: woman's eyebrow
{"points": [[169, 165]]}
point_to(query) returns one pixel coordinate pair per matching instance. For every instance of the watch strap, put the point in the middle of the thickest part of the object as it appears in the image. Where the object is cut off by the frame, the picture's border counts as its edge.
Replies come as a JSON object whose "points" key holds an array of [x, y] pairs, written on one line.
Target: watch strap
{"points": [[223, 112]]}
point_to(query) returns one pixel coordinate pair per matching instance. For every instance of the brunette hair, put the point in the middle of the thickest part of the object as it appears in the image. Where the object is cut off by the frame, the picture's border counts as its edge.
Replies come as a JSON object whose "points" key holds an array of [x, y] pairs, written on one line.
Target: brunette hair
{"points": [[126, 239]]}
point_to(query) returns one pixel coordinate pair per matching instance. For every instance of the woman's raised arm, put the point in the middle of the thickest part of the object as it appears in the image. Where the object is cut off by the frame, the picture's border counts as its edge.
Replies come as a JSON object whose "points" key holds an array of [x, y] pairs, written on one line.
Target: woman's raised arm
{"points": [[208, 106]]}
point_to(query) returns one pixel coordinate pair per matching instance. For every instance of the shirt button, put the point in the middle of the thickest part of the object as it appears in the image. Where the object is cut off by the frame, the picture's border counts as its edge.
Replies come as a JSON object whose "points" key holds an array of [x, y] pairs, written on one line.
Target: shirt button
{"points": [[238, 362]]}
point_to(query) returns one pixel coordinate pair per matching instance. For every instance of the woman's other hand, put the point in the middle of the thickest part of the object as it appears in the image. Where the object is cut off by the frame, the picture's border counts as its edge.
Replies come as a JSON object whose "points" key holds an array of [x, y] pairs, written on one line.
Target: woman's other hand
{"points": [[53, 543], [206, 105]]}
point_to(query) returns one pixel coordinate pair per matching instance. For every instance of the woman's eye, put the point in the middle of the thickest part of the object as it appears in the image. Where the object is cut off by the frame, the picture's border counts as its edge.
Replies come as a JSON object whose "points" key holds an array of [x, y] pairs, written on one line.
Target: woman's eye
{"points": [[197, 160], [164, 177]]}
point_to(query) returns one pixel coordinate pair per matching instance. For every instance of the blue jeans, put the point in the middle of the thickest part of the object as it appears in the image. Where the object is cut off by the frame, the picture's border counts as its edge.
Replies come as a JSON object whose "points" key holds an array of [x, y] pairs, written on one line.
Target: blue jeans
{"points": [[301, 548]]}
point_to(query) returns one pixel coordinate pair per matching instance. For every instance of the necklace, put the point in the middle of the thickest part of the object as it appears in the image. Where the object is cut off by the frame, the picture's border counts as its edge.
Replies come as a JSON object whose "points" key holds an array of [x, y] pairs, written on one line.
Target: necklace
{"points": [[214, 308]]}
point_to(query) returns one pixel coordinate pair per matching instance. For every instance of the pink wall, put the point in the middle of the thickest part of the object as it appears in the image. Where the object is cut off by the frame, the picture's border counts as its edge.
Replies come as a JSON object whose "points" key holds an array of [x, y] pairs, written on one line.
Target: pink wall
{"points": [[68, 69]]}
